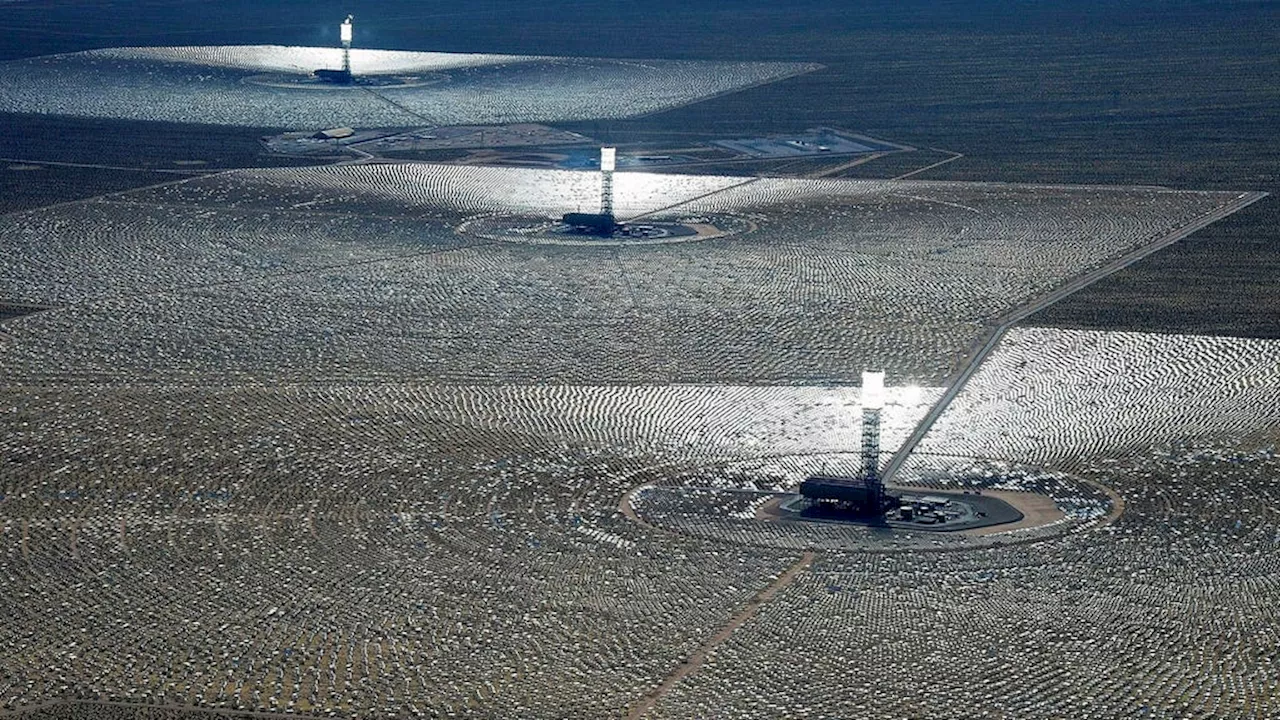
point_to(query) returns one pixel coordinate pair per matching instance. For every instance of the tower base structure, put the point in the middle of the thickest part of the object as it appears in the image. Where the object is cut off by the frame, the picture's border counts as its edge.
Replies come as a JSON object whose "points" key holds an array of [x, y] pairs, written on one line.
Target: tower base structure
{"points": [[842, 500], [336, 77], [604, 224], [852, 496]]}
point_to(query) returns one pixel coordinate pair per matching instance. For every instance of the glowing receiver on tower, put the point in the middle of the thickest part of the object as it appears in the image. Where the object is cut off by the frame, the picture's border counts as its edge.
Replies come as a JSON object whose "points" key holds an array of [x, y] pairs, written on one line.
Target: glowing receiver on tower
{"points": [[608, 159], [872, 390], [345, 31]]}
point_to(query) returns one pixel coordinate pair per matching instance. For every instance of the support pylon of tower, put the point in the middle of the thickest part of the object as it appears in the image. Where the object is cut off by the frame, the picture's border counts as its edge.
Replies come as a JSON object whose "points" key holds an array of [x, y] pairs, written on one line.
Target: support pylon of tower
{"points": [[608, 162], [871, 451], [872, 402]]}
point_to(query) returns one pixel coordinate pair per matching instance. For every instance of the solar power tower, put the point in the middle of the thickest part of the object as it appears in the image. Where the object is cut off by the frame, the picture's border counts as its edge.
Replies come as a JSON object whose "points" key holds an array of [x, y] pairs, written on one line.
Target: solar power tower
{"points": [[872, 402], [608, 163], [346, 33]]}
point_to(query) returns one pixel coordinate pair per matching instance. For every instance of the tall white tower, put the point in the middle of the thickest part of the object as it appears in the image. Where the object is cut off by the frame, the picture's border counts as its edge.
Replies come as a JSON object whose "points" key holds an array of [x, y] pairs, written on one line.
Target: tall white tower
{"points": [[346, 33], [608, 163], [872, 402]]}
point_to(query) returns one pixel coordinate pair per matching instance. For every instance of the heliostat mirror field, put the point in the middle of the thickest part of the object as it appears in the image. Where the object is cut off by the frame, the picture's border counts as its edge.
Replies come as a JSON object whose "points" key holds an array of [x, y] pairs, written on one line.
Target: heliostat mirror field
{"points": [[358, 274], [258, 86], [342, 441]]}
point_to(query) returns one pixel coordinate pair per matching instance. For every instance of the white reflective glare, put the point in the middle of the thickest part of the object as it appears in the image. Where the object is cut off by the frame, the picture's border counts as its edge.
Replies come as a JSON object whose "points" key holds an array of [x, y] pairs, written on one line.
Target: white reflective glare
{"points": [[345, 30], [912, 395], [872, 390], [608, 159]]}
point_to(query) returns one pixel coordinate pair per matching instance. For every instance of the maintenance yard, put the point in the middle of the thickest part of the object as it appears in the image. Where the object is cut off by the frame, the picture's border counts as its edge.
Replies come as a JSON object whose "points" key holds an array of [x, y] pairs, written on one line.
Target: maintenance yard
{"points": [[390, 142], [820, 141]]}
